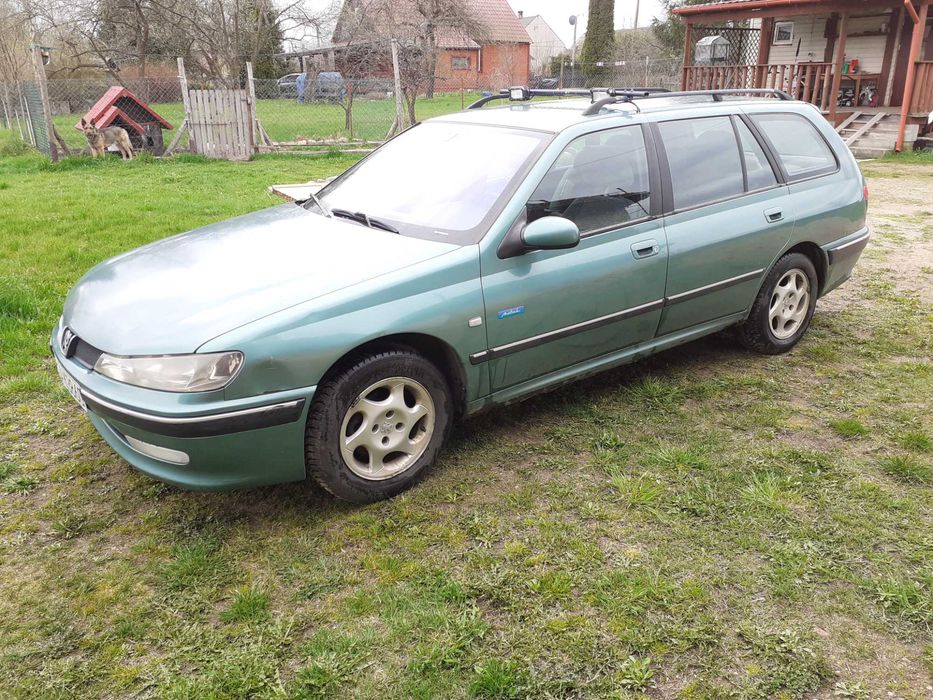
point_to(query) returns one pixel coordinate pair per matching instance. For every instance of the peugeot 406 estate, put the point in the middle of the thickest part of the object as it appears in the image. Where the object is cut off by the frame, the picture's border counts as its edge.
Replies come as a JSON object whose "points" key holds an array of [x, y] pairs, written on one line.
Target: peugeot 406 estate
{"points": [[472, 260]]}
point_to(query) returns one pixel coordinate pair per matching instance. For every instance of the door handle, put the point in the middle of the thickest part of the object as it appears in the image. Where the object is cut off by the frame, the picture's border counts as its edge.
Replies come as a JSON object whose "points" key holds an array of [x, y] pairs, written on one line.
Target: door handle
{"points": [[645, 249], [774, 215]]}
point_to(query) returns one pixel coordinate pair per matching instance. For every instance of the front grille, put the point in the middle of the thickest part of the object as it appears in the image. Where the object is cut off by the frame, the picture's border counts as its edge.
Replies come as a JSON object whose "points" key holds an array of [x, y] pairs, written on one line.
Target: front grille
{"points": [[86, 354]]}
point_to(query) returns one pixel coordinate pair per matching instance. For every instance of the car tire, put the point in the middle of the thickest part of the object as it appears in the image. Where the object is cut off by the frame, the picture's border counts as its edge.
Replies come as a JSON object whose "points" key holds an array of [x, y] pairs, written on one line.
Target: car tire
{"points": [[377, 425], [784, 307]]}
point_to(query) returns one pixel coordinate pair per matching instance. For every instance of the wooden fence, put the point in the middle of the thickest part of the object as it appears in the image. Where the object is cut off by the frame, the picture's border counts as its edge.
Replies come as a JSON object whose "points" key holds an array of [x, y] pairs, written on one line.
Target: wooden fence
{"points": [[221, 123]]}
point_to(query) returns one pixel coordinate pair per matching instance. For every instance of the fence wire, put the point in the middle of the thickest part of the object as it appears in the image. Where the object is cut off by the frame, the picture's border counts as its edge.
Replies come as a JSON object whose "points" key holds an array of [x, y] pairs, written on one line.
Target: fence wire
{"points": [[299, 111]]}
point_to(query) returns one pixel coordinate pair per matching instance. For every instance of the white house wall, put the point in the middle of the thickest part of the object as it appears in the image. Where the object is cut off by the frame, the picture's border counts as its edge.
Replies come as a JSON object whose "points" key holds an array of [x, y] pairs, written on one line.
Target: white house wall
{"points": [[869, 50], [545, 44]]}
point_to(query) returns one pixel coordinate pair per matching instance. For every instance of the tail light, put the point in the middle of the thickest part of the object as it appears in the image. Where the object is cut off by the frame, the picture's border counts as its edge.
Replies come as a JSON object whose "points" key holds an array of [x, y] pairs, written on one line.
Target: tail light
{"points": [[865, 192]]}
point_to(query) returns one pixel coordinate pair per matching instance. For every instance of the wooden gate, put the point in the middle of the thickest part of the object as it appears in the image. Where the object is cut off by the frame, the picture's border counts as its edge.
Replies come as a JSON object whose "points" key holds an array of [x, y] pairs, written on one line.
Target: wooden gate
{"points": [[221, 123]]}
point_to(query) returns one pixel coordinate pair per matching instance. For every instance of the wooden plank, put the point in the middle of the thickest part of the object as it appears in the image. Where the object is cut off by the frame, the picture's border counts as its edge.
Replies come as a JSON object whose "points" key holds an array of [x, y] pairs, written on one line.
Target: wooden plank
{"points": [[858, 134], [44, 99], [176, 138], [849, 120], [183, 82]]}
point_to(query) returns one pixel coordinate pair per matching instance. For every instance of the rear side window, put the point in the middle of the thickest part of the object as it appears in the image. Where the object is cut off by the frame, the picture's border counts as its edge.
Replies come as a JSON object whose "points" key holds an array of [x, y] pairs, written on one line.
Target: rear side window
{"points": [[704, 159], [758, 170], [803, 152]]}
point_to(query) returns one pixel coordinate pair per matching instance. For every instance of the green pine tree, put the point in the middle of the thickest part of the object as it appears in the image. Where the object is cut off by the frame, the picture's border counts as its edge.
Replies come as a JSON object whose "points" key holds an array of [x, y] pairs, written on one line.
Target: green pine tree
{"points": [[599, 42]]}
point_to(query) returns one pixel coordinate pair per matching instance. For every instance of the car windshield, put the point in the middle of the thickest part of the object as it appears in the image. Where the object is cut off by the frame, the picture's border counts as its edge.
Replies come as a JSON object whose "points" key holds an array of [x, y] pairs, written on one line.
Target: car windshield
{"points": [[437, 179]]}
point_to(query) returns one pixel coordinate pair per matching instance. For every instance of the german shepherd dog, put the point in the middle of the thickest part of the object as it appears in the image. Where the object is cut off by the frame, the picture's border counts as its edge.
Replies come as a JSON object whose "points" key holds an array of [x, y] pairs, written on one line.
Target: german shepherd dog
{"points": [[99, 139]]}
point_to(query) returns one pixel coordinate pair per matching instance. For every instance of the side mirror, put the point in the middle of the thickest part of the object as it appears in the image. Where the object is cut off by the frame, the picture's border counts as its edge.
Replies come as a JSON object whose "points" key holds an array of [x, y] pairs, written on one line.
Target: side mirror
{"points": [[551, 233]]}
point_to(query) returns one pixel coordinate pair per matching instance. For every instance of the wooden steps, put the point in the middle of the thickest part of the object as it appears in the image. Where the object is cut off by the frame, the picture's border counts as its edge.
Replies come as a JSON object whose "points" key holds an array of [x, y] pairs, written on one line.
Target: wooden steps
{"points": [[874, 135]]}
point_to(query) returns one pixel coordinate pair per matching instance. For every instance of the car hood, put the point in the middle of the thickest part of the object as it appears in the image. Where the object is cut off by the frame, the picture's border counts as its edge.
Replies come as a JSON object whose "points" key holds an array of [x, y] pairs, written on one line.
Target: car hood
{"points": [[174, 295]]}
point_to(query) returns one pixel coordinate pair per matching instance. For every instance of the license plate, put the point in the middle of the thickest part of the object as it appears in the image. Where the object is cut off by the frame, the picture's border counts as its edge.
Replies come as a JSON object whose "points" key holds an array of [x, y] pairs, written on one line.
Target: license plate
{"points": [[71, 385]]}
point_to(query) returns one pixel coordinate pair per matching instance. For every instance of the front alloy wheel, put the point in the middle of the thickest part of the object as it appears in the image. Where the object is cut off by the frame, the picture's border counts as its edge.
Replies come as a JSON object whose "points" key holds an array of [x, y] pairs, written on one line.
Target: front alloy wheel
{"points": [[387, 428], [377, 424]]}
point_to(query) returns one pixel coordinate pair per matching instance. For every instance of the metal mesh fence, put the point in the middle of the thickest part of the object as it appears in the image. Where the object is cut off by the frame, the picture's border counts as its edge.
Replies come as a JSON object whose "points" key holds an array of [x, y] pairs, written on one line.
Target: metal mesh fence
{"points": [[299, 111], [21, 113]]}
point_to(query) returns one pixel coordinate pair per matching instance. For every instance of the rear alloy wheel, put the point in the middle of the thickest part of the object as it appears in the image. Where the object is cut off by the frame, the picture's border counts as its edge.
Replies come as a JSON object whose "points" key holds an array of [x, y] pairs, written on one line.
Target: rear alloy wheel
{"points": [[784, 307], [377, 425]]}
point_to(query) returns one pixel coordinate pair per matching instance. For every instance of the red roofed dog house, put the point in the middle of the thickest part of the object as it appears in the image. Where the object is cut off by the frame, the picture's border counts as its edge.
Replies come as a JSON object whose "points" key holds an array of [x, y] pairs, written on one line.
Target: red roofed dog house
{"points": [[120, 107]]}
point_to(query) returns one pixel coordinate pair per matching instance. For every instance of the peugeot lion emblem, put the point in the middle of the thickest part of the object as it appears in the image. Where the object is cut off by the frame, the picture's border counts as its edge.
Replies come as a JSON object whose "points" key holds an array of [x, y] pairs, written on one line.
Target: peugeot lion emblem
{"points": [[69, 342]]}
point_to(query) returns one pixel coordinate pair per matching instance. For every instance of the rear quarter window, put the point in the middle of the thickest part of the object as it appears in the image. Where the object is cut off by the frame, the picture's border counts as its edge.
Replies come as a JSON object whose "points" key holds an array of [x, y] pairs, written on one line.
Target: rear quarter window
{"points": [[801, 149]]}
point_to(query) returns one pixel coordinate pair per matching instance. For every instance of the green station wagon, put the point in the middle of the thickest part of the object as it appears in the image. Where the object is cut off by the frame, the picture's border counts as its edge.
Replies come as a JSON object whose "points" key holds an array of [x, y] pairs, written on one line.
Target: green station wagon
{"points": [[473, 260]]}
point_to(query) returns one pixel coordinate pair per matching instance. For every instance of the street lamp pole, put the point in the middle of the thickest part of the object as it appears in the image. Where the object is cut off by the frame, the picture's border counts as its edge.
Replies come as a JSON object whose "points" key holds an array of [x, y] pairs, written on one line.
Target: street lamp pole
{"points": [[573, 52]]}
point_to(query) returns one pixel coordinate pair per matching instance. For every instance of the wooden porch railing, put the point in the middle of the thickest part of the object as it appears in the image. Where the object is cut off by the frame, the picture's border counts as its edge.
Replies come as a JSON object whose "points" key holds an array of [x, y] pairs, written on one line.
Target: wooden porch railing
{"points": [[810, 82], [923, 88]]}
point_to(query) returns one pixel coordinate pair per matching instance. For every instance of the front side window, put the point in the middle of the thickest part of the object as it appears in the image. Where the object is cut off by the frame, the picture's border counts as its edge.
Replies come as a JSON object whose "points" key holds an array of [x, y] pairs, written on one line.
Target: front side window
{"points": [[801, 149], [442, 181], [600, 180], [704, 160]]}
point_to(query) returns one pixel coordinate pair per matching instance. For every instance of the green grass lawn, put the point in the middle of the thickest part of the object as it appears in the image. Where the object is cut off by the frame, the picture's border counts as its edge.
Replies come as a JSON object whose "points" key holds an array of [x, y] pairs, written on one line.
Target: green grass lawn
{"points": [[287, 120], [705, 524]]}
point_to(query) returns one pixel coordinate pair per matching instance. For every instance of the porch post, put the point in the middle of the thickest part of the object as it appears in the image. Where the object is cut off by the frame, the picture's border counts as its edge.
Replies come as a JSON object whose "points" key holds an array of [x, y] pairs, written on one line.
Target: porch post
{"points": [[688, 44], [764, 51], [837, 69], [920, 23]]}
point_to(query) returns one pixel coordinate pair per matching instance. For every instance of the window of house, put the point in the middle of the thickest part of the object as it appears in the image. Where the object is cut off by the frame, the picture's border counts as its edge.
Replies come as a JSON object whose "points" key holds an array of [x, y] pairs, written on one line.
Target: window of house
{"points": [[460, 62], [801, 149], [599, 181], [704, 159]]}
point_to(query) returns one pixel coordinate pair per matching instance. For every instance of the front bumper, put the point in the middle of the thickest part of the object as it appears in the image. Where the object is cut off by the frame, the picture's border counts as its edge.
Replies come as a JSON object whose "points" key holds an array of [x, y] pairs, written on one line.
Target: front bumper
{"points": [[197, 441]]}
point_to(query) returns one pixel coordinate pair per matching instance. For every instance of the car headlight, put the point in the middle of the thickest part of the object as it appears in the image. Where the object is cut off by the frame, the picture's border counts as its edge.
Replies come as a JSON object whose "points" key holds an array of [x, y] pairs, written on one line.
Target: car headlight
{"points": [[173, 372]]}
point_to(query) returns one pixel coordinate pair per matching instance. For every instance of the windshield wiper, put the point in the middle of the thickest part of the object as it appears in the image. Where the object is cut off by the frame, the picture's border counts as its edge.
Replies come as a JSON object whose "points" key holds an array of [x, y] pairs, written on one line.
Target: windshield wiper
{"points": [[318, 203], [362, 218]]}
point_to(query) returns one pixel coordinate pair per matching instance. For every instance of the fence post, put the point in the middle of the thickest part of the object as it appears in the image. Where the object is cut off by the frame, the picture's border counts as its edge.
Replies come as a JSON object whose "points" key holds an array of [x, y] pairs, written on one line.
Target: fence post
{"points": [[253, 120], [44, 97], [397, 74], [186, 100]]}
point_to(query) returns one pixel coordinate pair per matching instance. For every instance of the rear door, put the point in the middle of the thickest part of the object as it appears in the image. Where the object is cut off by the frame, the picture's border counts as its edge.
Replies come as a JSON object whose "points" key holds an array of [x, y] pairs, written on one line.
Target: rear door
{"points": [[546, 310], [728, 216]]}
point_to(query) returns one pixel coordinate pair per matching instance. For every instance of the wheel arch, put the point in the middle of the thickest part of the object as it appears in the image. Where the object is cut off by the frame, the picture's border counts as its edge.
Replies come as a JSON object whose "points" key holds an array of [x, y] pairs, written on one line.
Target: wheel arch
{"points": [[438, 352], [817, 257]]}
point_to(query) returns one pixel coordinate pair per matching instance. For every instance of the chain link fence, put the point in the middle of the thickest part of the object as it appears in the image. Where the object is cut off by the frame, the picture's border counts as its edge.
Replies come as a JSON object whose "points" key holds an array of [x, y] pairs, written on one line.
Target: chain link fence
{"points": [[299, 111], [21, 113]]}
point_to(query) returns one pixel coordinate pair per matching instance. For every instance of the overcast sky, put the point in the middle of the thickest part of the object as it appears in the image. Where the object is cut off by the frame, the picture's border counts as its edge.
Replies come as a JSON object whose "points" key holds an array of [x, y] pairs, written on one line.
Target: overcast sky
{"points": [[557, 14]]}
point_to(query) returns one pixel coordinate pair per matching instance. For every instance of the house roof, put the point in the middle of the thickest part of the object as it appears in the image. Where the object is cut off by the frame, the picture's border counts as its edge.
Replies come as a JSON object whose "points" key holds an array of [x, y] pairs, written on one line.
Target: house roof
{"points": [[527, 19], [400, 19]]}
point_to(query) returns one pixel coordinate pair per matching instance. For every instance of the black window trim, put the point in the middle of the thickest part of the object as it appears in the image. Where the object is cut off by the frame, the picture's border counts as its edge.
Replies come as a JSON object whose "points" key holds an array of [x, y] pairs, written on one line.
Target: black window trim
{"points": [[808, 175], [667, 180]]}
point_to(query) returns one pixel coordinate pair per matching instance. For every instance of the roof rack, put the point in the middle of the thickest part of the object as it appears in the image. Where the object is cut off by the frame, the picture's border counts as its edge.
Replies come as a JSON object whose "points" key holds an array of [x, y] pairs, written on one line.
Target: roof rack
{"points": [[521, 93], [619, 95]]}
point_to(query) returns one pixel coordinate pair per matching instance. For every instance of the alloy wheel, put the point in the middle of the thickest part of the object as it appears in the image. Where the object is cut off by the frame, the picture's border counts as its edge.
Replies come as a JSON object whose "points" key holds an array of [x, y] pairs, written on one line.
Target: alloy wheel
{"points": [[387, 428]]}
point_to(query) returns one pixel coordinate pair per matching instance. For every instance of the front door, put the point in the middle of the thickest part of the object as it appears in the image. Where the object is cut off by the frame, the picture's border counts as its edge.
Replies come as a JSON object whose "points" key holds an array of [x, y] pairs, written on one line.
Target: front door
{"points": [[546, 310]]}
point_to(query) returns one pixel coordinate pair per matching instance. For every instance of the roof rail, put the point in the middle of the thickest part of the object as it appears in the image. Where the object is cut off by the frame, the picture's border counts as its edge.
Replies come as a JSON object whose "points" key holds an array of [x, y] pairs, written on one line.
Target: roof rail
{"points": [[717, 95], [521, 93]]}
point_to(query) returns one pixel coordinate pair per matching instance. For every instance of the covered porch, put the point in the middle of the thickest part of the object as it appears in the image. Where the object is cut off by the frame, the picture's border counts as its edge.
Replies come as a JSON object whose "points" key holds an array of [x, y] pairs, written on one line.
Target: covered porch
{"points": [[860, 56]]}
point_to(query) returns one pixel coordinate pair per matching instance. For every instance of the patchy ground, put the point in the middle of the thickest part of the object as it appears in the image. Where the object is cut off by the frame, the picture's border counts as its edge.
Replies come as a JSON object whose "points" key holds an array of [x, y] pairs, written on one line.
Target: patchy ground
{"points": [[706, 524]]}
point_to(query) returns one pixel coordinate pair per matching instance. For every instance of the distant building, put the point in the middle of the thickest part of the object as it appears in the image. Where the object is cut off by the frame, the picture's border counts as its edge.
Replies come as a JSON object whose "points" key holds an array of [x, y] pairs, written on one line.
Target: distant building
{"points": [[496, 55], [545, 44]]}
